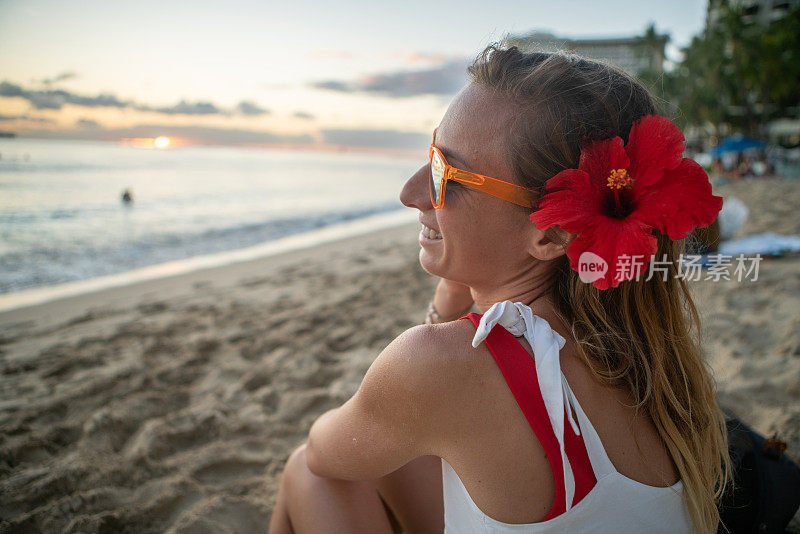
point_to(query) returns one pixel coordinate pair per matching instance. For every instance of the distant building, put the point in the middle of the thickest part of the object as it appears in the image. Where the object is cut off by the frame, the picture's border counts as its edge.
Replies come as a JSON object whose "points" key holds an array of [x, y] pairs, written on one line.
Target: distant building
{"points": [[631, 54]]}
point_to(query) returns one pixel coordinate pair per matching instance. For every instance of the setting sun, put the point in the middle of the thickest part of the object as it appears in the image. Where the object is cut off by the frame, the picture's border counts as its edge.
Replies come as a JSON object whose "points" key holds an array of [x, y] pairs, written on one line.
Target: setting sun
{"points": [[151, 142]]}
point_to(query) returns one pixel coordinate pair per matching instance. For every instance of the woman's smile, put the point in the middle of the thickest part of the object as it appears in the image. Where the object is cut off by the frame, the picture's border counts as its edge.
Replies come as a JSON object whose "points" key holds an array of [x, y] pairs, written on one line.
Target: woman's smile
{"points": [[428, 235]]}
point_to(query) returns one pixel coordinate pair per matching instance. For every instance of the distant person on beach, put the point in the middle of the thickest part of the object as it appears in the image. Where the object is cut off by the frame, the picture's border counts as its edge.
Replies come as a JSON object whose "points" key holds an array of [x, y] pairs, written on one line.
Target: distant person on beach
{"points": [[577, 398], [127, 196]]}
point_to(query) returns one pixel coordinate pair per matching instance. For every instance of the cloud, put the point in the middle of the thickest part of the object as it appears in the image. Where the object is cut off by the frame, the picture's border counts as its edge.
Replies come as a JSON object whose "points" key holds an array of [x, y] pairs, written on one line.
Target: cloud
{"points": [[5, 118], [334, 86], [58, 98], [86, 123], [44, 99], [196, 134], [9, 89], [64, 76], [303, 115], [233, 136], [364, 137], [184, 108], [209, 135], [446, 79], [247, 107], [102, 100]]}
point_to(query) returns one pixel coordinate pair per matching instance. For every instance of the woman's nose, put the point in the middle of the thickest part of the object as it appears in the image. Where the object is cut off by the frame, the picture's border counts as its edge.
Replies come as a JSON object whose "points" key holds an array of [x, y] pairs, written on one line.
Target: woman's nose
{"points": [[416, 191]]}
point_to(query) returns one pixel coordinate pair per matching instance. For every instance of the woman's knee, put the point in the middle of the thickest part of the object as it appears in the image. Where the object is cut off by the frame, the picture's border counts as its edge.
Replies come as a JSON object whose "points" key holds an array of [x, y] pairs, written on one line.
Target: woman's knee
{"points": [[341, 505]]}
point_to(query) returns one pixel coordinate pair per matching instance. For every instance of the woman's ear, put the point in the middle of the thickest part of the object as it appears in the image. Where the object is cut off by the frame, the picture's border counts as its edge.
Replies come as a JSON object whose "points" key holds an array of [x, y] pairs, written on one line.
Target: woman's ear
{"points": [[548, 244]]}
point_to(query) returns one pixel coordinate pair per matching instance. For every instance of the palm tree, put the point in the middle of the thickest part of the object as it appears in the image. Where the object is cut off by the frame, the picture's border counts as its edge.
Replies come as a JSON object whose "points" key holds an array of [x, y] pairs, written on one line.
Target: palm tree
{"points": [[652, 43]]}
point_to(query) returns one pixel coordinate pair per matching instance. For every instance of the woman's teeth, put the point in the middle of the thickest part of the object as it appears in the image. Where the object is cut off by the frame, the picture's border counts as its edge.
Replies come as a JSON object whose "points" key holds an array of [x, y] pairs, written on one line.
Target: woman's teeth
{"points": [[430, 233]]}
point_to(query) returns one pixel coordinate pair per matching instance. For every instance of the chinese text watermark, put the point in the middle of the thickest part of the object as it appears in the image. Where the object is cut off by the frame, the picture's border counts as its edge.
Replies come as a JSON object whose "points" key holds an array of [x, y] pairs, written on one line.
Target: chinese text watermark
{"points": [[592, 267]]}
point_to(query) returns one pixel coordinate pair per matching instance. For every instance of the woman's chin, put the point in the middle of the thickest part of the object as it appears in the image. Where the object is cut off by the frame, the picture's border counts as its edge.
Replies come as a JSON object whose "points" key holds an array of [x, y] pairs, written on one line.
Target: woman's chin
{"points": [[427, 263]]}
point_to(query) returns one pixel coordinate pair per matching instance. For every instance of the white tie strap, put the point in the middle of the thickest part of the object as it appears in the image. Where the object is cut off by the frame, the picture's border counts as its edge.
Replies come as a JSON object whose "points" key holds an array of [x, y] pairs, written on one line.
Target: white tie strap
{"points": [[519, 320]]}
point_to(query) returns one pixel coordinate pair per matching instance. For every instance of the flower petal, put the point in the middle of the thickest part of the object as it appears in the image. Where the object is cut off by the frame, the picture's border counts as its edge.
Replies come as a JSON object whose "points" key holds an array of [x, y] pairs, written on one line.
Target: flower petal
{"points": [[600, 157], [679, 202], [571, 200], [611, 239], [655, 144]]}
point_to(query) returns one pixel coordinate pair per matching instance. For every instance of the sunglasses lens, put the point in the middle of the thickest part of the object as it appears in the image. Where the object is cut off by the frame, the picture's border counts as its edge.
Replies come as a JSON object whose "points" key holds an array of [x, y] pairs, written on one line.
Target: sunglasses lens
{"points": [[437, 173]]}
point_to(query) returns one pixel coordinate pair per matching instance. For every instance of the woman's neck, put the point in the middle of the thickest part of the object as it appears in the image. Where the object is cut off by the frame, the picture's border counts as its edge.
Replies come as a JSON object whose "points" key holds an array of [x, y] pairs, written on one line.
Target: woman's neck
{"points": [[535, 297], [538, 299]]}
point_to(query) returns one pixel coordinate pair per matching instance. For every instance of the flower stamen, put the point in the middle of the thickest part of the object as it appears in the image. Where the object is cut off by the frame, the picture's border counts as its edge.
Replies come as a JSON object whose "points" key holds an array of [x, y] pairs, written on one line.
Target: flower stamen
{"points": [[618, 179]]}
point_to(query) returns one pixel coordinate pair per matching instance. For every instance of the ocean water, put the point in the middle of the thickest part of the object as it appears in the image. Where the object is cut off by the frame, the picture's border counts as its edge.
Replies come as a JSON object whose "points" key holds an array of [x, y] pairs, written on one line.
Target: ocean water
{"points": [[62, 218]]}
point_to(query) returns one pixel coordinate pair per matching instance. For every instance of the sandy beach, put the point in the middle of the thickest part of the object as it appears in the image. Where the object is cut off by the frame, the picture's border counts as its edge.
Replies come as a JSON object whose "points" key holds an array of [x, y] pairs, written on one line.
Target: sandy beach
{"points": [[171, 405]]}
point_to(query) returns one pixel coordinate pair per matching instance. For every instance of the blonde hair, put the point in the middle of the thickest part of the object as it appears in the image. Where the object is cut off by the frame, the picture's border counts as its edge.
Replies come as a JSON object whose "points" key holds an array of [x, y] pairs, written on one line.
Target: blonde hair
{"points": [[643, 335]]}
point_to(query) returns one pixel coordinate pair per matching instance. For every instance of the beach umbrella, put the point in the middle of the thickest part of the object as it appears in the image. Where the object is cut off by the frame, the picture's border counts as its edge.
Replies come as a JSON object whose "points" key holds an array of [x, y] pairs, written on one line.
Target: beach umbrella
{"points": [[737, 144]]}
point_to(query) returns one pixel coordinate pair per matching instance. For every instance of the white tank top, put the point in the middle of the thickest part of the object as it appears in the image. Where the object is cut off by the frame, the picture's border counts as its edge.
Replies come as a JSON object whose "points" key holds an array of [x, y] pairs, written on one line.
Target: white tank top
{"points": [[616, 504]]}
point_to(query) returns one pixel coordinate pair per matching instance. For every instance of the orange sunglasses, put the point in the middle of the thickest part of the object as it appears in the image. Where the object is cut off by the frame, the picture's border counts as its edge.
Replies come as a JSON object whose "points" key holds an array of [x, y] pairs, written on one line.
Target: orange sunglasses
{"points": [[441, 171]]}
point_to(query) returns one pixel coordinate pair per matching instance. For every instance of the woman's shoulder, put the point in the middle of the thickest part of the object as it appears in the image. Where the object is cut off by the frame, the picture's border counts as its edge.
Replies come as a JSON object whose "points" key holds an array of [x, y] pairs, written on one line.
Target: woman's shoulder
{"points": [[447, 345], [437, 360], [435, 347]]}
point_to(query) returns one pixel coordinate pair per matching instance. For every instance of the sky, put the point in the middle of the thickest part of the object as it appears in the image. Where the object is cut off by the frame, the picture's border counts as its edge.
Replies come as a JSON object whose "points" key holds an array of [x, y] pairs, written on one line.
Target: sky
{"points": [[304, 73]]}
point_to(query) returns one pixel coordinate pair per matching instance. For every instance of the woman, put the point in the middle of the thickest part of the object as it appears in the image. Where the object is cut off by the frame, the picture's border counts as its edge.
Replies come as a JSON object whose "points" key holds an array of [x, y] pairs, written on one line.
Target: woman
{"points": [[627, 435]]}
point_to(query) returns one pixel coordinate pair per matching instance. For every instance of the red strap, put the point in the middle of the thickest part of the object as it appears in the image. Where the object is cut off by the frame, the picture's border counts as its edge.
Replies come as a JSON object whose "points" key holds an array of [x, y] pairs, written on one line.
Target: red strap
{"points": [[519, 371]]}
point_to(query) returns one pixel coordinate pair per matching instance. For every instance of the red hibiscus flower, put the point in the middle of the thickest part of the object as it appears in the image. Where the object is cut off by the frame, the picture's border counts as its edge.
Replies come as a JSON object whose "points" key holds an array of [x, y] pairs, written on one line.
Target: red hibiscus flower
{"points": [[619, 194]]}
